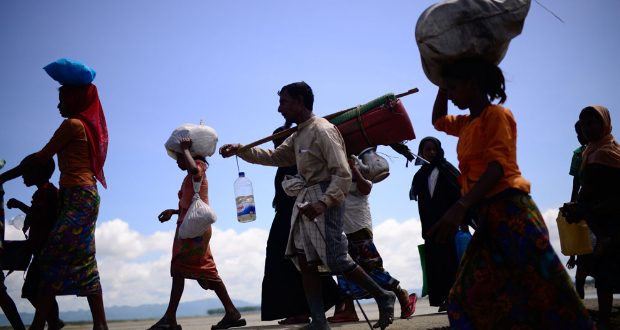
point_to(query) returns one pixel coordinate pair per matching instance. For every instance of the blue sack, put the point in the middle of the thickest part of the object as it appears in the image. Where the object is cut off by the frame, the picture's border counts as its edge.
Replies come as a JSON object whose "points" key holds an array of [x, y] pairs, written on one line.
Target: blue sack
{"points": [[70, 72]]}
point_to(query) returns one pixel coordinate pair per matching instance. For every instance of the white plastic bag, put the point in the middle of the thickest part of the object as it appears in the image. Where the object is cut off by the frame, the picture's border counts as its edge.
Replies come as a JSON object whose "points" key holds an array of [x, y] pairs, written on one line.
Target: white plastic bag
{"points": [[204, 140], [199, 216], [453, 29]]}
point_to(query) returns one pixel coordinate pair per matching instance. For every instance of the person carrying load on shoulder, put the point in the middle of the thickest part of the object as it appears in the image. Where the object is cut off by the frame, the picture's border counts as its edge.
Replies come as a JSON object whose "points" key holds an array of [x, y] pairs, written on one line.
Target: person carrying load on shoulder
{"points": [[317, 148]]}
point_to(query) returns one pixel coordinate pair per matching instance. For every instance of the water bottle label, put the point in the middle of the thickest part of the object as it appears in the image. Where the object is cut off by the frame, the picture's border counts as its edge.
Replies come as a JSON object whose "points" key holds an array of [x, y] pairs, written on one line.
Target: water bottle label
{"points": [[245, 208]]}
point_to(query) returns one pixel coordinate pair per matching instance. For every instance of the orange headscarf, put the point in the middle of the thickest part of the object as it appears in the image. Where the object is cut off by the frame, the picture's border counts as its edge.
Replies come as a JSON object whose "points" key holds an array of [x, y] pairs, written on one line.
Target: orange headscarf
{"points": [[605, 151], [85, 100]]}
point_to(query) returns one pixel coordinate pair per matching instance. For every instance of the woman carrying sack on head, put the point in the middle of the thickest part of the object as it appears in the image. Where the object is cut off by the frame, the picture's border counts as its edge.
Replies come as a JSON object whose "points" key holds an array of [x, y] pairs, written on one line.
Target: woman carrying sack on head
{"points": [[510, 276], [67, 261]]}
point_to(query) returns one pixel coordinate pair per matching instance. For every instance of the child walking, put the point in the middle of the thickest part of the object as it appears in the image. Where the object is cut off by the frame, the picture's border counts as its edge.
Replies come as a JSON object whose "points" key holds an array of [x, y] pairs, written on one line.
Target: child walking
{"points": [[40, 219], [358, 228], [192, 258], [510, 276]]}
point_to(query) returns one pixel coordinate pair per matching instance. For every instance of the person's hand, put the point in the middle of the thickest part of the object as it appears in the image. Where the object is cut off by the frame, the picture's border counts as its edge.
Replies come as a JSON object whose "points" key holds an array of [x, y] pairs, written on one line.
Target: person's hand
{"points": [[571, 263], [166, 215], [228, 150], [313, 210], [448, 225], [12, 203], [572, 212], [352, 162], [186, 143]]}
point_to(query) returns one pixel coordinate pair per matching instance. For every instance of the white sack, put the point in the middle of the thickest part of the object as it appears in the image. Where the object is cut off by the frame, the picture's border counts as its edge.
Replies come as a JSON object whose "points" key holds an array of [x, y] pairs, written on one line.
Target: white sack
{"points": [[199, 216], [453, 29], [204, 140]]}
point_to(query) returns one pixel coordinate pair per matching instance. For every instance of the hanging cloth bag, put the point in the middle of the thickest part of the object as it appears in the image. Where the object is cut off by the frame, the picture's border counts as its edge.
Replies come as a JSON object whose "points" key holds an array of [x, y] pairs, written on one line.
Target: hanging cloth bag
{"points": [[199, 216]]}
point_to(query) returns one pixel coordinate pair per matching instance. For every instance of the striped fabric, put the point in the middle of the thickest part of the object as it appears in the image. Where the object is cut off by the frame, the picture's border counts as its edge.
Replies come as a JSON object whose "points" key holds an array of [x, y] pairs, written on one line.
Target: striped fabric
{"points": [[329, 254]]}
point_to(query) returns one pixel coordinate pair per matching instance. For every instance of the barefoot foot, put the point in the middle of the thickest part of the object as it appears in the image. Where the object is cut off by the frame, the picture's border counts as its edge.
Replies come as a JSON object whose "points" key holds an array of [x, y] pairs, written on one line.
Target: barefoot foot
{"points": [[316, 326], [386, 311]]}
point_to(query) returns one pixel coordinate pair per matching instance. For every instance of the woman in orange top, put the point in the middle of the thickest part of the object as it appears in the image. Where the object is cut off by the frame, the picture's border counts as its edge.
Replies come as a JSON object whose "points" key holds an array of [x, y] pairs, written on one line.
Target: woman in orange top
{"points": [[509, 275], [67, 260]]}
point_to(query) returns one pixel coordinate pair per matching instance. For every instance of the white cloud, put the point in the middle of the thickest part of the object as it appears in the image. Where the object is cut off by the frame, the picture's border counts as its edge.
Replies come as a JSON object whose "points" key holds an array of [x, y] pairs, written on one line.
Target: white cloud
{"points": [[397, 243], [115, 240]]}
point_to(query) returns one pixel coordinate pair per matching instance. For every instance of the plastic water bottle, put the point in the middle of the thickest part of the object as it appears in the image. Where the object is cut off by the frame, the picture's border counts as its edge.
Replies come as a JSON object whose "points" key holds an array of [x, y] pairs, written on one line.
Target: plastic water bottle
{"points": [[461, 239], [246, 211]]}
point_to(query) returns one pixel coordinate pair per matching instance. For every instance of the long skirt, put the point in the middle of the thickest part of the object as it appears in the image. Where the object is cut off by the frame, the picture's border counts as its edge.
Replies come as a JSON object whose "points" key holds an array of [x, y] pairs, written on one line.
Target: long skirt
{"points": [[192, 258], [67, 261], [442, 265], [510, 276], [364, 252]]}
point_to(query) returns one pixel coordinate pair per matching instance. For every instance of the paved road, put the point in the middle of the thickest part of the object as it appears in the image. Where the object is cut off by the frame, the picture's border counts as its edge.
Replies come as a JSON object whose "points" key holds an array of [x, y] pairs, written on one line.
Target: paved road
{"points": [[425, 317]]}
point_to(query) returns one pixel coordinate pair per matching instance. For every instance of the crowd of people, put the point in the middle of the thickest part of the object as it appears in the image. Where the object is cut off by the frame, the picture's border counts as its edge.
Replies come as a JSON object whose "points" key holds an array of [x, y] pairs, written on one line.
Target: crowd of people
{"points": [[509, 275]]}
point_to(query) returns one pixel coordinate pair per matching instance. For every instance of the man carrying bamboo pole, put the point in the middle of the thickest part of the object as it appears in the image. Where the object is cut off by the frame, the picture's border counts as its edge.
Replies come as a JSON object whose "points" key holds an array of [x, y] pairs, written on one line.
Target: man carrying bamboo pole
{"points": [[318, 150]]}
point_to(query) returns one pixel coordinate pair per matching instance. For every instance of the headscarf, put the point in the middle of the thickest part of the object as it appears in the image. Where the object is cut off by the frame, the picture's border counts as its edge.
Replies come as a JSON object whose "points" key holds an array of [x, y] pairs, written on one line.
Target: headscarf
{"points": [[85, 100], [445, 168], [605, 151]]}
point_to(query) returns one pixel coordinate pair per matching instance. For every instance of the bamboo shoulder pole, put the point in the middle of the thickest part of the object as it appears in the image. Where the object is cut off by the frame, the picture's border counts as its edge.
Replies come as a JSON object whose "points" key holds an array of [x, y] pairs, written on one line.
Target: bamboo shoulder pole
{"points": [[294, 129]]}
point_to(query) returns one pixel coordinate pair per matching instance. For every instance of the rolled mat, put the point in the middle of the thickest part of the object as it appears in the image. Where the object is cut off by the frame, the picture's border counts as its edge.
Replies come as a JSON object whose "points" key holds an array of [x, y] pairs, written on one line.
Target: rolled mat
{"points": [[352, 114]]}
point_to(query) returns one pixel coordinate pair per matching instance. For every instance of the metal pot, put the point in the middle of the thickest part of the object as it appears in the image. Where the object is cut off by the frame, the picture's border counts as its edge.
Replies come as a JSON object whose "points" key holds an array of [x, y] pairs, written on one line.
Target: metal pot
{"points": [[374, 167]]}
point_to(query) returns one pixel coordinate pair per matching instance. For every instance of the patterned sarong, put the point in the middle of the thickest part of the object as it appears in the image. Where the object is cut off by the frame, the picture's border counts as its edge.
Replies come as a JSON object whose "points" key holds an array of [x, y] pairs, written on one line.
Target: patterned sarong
{"points": [[364, 252], [510, 276], [305, 238], [67, 261], [192, 258]]}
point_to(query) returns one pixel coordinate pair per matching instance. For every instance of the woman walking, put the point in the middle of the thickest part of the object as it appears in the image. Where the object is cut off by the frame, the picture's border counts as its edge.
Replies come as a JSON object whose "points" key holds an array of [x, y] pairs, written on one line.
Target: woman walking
{"points": [[436, 189], [598, 203], [510, 276], [67, 261]]}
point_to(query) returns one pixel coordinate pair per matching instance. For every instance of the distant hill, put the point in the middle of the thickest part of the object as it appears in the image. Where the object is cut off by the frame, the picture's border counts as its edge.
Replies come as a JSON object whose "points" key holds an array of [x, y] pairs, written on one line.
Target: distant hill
{"points": [[186, 309]]}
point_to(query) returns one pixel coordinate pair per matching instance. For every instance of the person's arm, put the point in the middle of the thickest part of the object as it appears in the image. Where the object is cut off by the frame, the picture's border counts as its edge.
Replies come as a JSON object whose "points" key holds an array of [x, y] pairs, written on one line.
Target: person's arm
{"points": [[190, 163], [575, 192], [282, 156], [63, 135], [440, 108], [14, 203], [11, 174], [363, 185], [167, 214], [449, 224]]}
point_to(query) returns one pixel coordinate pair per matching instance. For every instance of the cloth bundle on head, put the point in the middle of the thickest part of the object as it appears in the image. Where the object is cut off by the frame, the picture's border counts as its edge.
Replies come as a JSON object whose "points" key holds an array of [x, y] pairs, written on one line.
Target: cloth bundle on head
{"points": [[70, 73], [605, 151], [204, 140], [85, 100], [445, 168]]}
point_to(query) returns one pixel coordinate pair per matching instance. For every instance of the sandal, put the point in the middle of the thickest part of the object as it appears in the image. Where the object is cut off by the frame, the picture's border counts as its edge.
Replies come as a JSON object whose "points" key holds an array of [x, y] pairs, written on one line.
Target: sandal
{"points": [[408, 310], [225, 324], [163, 324], [294, 320], [338, 318]]}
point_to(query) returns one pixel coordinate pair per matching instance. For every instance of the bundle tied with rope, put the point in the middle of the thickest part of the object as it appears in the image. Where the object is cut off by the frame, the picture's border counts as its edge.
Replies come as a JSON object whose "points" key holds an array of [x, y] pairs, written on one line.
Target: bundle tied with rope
{"points": [[382, 121]]}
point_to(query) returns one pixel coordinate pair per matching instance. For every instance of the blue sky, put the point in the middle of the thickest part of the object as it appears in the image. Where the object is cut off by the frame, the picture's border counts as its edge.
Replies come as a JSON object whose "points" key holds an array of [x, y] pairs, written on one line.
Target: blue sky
{"points": [[162, 64]]}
